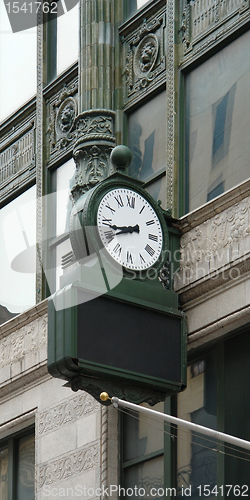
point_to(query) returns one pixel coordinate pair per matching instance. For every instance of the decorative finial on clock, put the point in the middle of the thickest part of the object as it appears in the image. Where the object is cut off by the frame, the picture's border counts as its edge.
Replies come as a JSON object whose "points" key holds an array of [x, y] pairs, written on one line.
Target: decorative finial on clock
{"points": [[121, 157]]}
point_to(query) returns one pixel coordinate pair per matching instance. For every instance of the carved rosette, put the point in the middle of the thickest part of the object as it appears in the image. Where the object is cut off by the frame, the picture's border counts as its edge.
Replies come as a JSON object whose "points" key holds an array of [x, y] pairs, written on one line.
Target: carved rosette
{"points": [[144, 57], [61, 121], [95, 132]]}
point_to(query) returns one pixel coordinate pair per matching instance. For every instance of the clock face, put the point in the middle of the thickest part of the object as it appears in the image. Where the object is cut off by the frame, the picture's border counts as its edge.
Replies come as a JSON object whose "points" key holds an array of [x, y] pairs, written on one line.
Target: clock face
{"points": [[129, 229]]}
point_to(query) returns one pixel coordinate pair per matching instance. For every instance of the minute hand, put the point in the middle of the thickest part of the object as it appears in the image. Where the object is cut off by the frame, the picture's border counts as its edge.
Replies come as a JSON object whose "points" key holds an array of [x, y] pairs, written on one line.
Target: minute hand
{"points": [[128, 229]]}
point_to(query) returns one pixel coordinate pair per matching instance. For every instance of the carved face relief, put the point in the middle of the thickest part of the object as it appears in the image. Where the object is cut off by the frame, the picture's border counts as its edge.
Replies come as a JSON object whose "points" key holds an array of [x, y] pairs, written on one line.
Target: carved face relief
{"points": [[66, 116], [145, 55]]}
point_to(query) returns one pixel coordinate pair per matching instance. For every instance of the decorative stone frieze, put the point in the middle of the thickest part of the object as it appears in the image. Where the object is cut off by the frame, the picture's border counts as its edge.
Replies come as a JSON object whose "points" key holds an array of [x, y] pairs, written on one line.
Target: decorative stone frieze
{"points": [[66, 412], [215, 252], [28, 339], [201, 19], [17, 159], [69, 465], [144, 57]]}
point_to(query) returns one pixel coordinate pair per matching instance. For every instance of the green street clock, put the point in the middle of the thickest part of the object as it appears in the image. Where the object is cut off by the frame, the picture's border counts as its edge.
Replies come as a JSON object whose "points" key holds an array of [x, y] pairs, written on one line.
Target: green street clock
{"points": [[117, 329], [120, 218]]}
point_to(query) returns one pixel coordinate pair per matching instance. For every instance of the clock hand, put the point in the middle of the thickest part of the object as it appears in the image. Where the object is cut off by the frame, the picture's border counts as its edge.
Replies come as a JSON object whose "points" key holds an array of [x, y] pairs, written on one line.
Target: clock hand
{"points": [[128, 229]]}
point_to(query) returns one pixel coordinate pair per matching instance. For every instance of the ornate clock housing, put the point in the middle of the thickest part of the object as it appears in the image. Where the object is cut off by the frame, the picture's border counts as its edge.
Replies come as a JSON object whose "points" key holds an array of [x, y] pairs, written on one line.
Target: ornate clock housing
{"points": [[120, 218]]}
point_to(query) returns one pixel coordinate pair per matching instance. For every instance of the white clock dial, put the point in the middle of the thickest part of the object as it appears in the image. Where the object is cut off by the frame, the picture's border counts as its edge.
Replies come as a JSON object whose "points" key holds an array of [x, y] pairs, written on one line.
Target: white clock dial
{"points": [[129, 229]]}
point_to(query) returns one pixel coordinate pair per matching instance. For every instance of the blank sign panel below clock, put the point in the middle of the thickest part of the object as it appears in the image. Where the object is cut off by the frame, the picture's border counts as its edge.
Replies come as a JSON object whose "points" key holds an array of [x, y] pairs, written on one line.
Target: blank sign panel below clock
{"points": [[129, 338]]}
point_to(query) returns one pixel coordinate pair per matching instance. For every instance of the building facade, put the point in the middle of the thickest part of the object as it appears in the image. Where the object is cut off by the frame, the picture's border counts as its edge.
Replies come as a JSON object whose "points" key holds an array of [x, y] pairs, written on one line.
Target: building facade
{"points": [[171, 80]]}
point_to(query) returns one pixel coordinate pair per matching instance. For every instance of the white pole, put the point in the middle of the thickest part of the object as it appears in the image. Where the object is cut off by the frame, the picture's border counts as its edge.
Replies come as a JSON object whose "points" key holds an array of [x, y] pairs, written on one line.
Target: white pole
{"points": [[183, 423]]}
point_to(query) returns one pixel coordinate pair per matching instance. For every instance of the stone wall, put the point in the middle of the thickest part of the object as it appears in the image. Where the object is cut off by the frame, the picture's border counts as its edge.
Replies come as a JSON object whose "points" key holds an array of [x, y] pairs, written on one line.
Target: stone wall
{"points": [[73, 449]]}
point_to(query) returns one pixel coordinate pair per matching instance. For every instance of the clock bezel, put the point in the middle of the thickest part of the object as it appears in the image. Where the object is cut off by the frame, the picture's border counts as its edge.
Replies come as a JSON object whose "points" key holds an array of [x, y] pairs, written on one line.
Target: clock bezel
{"points": [[88, 220]]}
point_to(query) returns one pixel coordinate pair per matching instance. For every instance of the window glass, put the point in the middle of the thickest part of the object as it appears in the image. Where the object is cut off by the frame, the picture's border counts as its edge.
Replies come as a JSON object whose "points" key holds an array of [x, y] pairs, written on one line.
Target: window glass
{"points": [[134, 5], [18, 254], [157, 189], [197, 459], [141, 438], [147, 138], [218, 122], [17, 65], [60, 206], [26, 468], [146, 476], [63, 178], [67, 39], [4, 462]]}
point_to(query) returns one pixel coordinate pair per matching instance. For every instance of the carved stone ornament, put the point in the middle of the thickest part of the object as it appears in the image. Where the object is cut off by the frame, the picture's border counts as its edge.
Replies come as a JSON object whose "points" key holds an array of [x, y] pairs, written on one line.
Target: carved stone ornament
{"points": [[133, 394], [92, 149], [65, 116], [17, 159], [202, 18], [62, 109], [144, 57], [69, 465], [216, 251]]}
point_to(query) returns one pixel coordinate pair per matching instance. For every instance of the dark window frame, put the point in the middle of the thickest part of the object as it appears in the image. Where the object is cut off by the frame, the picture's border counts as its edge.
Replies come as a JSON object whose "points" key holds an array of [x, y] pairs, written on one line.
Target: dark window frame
{"points": [[11, 443]]}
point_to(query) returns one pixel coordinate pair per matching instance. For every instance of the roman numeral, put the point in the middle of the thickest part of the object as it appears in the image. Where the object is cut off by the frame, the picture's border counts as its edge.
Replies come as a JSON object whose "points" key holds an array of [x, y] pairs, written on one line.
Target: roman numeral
{"points": [[153, 237], [150, 222], [118, 249], [131, 201], [106, 222], [142, 259], [129, 258], [110, 208], [109, 235], [150, 250], [142, 209], [119, 200]]}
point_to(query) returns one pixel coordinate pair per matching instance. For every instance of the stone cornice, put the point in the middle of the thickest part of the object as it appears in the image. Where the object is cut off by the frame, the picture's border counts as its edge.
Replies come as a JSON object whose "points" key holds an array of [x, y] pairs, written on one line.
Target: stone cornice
{"points": [[24, 318], [215, 206]]}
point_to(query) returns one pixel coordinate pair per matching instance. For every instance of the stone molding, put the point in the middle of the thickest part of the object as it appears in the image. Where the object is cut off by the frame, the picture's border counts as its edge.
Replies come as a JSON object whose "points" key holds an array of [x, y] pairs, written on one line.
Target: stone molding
{"points": [[69, 465], [204, 22], [218, 328], [215, 252], [24, 319], [66, 412], [104, 450]]}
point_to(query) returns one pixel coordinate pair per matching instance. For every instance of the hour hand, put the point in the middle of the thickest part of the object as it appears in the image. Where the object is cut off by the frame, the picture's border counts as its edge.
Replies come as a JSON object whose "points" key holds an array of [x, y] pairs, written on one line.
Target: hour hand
{"points": [[128, 229]]}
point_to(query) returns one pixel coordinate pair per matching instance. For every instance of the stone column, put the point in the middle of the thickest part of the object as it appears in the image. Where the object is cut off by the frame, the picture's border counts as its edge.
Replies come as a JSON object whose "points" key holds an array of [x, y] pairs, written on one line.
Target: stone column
{"points": [[95, 122]]}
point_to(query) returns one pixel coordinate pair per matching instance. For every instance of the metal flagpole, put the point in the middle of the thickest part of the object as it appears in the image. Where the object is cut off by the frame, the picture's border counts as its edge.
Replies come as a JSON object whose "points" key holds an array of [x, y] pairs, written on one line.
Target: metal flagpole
{"points": [[227, 438]]}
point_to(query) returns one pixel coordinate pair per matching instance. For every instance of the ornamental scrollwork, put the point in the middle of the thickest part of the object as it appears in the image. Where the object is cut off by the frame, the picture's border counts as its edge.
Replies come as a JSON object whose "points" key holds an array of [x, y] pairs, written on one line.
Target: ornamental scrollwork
{"points": [[144, 57]]}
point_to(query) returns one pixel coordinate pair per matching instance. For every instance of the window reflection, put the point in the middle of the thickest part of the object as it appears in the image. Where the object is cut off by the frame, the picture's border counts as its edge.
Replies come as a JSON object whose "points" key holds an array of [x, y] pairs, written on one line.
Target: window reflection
{"points": [[134, 5], [18, 254], [147, 138], [67, 38], [17, 65], [157, 189], [4, 465], [61, 205], [197, 460], [26, 468], [218, 122]]}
